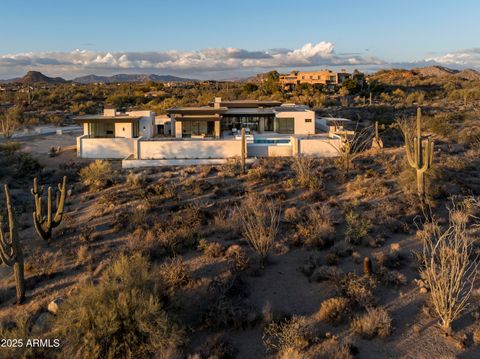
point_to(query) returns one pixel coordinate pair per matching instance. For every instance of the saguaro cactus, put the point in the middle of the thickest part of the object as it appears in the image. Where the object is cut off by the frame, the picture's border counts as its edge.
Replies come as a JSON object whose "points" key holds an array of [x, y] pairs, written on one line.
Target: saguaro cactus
{"points": [[244, 149], [367, 266], [377, 141], [45, 224], [419, 154], [10, 249]]}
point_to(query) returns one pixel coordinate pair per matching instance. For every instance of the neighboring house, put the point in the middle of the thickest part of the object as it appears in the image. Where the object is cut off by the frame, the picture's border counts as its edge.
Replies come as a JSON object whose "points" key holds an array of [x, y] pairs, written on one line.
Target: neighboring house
{"points": [[322, 77], [140, 138]]}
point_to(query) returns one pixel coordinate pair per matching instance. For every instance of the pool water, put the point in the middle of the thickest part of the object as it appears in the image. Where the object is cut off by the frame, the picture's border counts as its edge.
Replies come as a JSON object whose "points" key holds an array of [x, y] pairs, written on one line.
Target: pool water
{"points": [[271, 140]]}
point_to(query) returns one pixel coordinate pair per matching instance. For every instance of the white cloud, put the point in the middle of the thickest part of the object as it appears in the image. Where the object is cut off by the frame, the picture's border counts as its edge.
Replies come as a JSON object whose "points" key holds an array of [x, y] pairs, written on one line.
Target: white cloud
{"points": [[463, 58], [178, 62]]}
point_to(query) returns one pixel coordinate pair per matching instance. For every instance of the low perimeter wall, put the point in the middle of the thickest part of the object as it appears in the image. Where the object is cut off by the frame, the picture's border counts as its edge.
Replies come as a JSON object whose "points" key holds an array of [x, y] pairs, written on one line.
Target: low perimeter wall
{"points": [[106, 147], [189, 149], [319, 148], [263, 150]]}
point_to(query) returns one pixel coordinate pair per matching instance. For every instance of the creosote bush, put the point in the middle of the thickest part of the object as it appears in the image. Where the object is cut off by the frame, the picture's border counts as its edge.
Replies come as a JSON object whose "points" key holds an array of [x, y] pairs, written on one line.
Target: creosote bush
{"points": [[97, 175], [291, 333], [376, 322], [120, 317], [316, 230], [306, 172], [357, 227]]}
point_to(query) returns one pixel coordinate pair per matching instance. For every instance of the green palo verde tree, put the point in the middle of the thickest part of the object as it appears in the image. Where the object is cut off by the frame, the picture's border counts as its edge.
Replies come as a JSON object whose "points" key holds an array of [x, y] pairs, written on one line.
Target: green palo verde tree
{"points": [[45, 224], [419, 153], [10, 249]]}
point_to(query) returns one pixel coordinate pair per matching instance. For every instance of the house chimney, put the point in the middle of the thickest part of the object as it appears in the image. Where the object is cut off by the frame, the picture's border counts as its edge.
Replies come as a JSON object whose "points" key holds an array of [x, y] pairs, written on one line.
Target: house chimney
{"points": [[217, 102], [109, 111]]}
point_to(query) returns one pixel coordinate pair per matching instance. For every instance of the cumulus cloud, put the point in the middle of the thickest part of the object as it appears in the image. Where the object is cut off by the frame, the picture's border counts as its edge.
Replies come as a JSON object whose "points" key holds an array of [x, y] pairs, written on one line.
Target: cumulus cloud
{"points": [[462, 58], [180, 62]]}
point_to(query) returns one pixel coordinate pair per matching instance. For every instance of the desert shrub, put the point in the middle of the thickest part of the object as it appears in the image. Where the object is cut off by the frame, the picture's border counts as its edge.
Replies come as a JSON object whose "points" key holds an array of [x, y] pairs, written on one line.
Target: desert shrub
{"points": [[211, 249], [334, 310], [231, 168], [292, 214], [97, 175], [136, 179], [120, 317], [306, 172], [174, 274], [19, 330], [291, 333], [331, 258], [226, 306], [83, 254], [376, 322], [393, 278], [227, 222], [316, 230], [358, 289], [239, 258], [331, 348], [476, 336], [357, 227], [260, 220], [258, 173], [10, 147]]}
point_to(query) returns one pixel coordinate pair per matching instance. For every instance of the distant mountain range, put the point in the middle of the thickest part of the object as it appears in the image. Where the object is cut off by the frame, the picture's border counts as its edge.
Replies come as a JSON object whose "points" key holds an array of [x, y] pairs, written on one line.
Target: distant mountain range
{"points": [[33, 77]]}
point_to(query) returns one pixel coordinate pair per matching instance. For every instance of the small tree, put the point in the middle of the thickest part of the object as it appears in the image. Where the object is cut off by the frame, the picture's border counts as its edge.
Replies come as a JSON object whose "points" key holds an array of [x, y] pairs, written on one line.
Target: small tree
{"points": [[9, 121], [450, 269]]}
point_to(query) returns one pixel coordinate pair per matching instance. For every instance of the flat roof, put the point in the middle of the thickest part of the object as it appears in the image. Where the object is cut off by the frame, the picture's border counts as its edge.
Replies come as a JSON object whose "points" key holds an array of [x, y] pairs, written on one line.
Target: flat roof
{"points": [[249, 111], [293, 108], [102, 118], [199, 110], [247, 103]]}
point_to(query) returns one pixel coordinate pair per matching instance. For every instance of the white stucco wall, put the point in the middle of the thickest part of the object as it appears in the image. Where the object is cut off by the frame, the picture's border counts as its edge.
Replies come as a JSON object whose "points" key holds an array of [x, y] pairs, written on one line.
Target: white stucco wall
{"points": [[106, 147], [146, 122], [300, 126], [123, 129], [319, 147], [171, 149]]}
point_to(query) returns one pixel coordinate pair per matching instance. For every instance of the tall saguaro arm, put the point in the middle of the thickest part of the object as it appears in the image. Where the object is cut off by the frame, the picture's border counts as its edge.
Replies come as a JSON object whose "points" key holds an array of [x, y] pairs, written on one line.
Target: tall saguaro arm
{"points": [[44, 224], [11, 250]]}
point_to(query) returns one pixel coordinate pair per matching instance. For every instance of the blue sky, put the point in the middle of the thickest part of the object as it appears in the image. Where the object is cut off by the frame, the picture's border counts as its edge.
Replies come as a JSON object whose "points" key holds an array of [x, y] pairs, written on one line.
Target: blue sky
{"points": [[70, 38]]}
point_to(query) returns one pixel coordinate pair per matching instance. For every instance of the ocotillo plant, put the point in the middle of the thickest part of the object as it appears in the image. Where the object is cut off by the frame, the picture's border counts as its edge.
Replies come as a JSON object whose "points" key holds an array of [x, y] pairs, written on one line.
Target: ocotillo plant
{"points": [[419, 154], [244, 148], [45, 224], [10, 249]]}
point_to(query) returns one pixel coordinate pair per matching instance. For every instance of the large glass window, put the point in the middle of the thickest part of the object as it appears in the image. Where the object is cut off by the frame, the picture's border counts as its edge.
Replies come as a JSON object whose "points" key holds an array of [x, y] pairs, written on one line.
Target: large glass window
{"points": [[198, 128], [99, 130], [253, 122]]}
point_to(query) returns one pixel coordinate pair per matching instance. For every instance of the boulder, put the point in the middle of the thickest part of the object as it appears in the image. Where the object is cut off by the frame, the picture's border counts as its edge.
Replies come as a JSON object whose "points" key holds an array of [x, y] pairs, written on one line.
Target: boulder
{"points": [[53, 305]]}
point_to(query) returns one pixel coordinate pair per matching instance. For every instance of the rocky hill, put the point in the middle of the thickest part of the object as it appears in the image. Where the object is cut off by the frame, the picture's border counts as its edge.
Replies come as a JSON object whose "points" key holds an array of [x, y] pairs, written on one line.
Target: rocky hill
{"points": [[37, 77], [129, 78]]}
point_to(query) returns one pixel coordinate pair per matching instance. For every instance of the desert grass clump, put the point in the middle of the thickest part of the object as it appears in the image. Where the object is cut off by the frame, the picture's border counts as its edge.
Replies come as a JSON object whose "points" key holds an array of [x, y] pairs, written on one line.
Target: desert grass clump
{"points": [[292, 214], [376, 322], [260, 219], [316, 230], [97, 175], [291, 333], [450, 266], [239, 258], [334, 310], [120, 317]]}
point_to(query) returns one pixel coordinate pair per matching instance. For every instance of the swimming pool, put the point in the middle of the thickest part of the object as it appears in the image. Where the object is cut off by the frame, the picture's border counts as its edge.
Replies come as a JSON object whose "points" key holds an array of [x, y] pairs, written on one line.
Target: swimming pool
{"points": [[271, 140]]}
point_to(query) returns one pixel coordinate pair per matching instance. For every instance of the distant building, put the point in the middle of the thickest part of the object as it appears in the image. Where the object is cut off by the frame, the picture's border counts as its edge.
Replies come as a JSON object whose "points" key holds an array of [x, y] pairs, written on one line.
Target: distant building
{"points": [[322, 77]]}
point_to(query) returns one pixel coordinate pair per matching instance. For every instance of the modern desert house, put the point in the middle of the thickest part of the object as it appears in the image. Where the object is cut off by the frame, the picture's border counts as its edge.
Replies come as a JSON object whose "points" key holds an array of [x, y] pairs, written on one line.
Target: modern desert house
{"points": [[210, 132], [222, 118], [322, 77]]}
